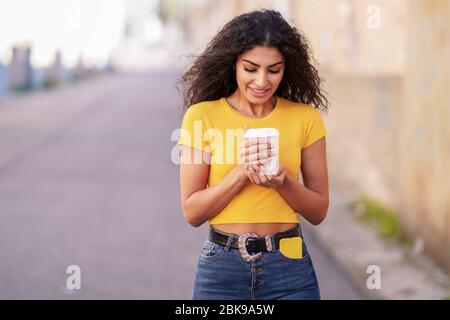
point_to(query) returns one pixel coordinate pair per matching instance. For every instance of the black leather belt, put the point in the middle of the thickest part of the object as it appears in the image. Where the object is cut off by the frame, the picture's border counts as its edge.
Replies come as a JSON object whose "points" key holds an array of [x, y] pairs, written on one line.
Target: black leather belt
{"points": [[250, 242]]}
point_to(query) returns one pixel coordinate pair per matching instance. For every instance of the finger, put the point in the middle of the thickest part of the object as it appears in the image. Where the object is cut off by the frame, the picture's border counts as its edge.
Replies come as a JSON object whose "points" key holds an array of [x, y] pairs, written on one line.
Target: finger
{"points": [[268, 176], [259, 171], [267, 173], [256, 159], [254, 176], [251, 141], [244, 152], [259, 147], [256, 141], [262, 162], [249, 174], [255, 153], [250, 177], [245, 155], [270, 183], [267, 182], [265, 179]]}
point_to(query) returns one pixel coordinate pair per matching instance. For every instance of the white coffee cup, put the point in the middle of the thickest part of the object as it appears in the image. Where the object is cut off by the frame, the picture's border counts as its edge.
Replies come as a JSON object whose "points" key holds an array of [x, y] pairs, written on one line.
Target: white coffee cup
{"points": [[272, 136]]}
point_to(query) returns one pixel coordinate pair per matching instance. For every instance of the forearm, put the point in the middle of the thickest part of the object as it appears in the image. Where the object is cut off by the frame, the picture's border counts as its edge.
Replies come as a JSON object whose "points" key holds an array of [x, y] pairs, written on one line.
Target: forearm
{"points": [[310, 204], [207, 203]]}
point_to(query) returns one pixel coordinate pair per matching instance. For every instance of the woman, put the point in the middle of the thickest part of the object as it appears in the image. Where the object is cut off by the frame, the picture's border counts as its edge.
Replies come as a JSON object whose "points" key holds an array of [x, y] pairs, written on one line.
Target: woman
{"points": [[255, 73]]}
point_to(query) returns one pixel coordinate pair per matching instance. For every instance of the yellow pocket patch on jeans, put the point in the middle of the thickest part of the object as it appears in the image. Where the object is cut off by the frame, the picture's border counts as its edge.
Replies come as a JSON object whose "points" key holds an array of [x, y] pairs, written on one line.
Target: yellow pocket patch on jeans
{"points": [[292, 247]]}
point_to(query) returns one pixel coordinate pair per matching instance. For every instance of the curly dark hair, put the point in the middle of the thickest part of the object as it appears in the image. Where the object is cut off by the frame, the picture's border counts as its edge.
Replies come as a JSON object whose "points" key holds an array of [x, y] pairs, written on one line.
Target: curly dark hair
{"points": [[212, 76]]}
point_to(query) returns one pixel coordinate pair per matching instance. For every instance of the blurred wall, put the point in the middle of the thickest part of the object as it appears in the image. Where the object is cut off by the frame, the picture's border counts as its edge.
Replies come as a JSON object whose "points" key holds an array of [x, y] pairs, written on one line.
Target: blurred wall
{"points": [[207, 17], [388, 137], [360, 48], [354, 36], [424, 135]]}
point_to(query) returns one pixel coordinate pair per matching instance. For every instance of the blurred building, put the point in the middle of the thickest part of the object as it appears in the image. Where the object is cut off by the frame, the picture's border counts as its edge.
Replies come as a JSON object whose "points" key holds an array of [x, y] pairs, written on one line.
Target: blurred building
{"points": [[80, 70], [20, 75], [144, 43], [56, 74], [3, 80], [19, 69], [37, 79]]}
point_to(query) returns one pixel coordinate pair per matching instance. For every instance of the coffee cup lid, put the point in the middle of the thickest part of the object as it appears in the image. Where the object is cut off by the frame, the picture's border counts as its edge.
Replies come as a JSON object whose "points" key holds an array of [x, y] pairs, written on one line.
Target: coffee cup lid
{"points": [[261, 132]]}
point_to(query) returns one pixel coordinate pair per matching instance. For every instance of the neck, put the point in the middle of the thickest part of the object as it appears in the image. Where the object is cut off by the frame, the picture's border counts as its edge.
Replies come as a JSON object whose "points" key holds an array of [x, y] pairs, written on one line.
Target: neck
{"points": [[240, 103]]}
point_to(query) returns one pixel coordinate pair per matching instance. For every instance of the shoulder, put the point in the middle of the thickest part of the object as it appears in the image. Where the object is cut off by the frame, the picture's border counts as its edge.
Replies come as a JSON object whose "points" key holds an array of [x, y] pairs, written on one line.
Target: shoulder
{"points": [[203, 108], [301, 110]]}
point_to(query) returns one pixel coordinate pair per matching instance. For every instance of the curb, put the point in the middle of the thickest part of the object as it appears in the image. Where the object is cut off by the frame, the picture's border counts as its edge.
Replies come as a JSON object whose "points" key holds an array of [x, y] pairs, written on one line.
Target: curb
{"points": [[347, 269]]}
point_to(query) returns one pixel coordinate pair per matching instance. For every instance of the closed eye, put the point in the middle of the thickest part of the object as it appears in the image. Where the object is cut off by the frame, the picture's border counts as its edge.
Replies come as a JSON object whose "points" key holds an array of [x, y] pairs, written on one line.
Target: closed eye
{"points": [[271, 71]]}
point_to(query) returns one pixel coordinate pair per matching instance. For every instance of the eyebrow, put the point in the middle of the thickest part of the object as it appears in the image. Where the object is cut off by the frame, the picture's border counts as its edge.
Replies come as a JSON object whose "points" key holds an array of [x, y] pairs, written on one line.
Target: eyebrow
{"points": [[257, 65]]}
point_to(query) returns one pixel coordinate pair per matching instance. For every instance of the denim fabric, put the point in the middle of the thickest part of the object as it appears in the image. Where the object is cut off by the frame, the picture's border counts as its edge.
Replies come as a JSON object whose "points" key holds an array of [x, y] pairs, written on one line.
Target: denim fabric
{"points": [[223, 275]]}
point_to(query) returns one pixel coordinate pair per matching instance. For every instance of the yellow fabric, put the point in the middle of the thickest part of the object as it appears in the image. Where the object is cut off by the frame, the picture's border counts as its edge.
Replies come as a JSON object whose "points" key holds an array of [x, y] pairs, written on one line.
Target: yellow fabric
{"points": [[292, 247], [204, 126]]}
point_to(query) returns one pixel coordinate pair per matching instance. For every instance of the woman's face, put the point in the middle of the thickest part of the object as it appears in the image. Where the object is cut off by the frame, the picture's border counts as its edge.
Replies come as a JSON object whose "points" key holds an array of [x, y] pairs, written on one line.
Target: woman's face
{"points": [[259, 71]]}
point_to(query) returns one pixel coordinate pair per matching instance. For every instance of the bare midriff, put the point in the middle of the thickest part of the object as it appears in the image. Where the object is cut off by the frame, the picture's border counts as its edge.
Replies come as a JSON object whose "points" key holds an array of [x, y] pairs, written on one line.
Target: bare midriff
{"points": [[261, 229]]}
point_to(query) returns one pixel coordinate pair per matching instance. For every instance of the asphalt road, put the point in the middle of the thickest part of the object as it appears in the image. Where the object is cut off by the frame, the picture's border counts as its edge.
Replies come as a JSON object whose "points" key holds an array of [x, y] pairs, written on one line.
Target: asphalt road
{"points": [[86, 179]]}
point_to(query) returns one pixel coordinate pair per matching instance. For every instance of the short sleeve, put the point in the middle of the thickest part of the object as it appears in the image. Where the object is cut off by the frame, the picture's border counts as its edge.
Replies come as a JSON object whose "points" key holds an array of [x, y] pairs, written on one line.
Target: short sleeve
{"points": [[315, 128], [192, 131]]}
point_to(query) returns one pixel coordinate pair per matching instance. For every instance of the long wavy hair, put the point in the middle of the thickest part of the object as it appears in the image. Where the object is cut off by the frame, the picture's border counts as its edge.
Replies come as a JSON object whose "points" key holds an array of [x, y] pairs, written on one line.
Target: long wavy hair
{"points": [[212, 76]]}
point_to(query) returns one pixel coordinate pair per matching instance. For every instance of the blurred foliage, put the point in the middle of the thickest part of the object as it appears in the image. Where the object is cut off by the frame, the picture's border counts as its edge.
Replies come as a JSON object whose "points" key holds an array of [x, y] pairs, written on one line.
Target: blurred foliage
{"points": [[51, 83], [21, 89], [385, 220]]}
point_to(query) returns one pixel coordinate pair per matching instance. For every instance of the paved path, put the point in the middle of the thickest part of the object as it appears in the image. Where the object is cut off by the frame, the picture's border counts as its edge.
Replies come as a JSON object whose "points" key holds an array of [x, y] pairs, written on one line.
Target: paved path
{"points": [[86, 179]]}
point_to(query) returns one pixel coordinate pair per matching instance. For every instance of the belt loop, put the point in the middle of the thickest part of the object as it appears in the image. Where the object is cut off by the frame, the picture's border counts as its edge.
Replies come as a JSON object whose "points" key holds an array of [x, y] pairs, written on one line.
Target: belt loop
{"points": [[229, 241]]}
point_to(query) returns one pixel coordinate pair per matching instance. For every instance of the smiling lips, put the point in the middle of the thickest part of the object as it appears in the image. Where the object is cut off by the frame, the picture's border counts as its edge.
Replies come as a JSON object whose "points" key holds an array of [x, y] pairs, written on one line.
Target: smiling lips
{"points": [[258, 93]]}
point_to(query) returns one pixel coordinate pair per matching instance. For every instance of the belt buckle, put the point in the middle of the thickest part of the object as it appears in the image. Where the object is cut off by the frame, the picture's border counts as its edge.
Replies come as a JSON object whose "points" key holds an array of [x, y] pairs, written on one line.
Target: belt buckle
{"points": [[243, 249]]}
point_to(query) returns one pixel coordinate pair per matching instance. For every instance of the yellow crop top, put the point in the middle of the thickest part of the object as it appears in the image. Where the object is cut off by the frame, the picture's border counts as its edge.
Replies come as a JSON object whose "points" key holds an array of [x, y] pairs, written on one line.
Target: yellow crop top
{"points": [[217, 128]]}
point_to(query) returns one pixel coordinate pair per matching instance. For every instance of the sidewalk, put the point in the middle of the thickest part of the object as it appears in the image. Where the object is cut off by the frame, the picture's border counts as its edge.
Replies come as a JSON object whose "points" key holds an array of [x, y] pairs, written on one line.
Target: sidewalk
{"points": [[355, 246]]}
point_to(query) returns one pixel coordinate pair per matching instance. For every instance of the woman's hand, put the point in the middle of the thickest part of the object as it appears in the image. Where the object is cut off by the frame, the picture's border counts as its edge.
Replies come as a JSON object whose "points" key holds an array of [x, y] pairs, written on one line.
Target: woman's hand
{"points": [[254, 152], [261, 176]]}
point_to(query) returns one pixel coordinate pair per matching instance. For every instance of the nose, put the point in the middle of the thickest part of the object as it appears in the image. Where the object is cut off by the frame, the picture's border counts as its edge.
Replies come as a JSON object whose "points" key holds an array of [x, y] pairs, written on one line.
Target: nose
{"points": [[261, 80]]}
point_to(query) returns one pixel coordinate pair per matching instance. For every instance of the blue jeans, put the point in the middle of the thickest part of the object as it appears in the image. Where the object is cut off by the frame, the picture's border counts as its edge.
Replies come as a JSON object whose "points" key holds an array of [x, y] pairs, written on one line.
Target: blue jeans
{"points": [[223, 275]]}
